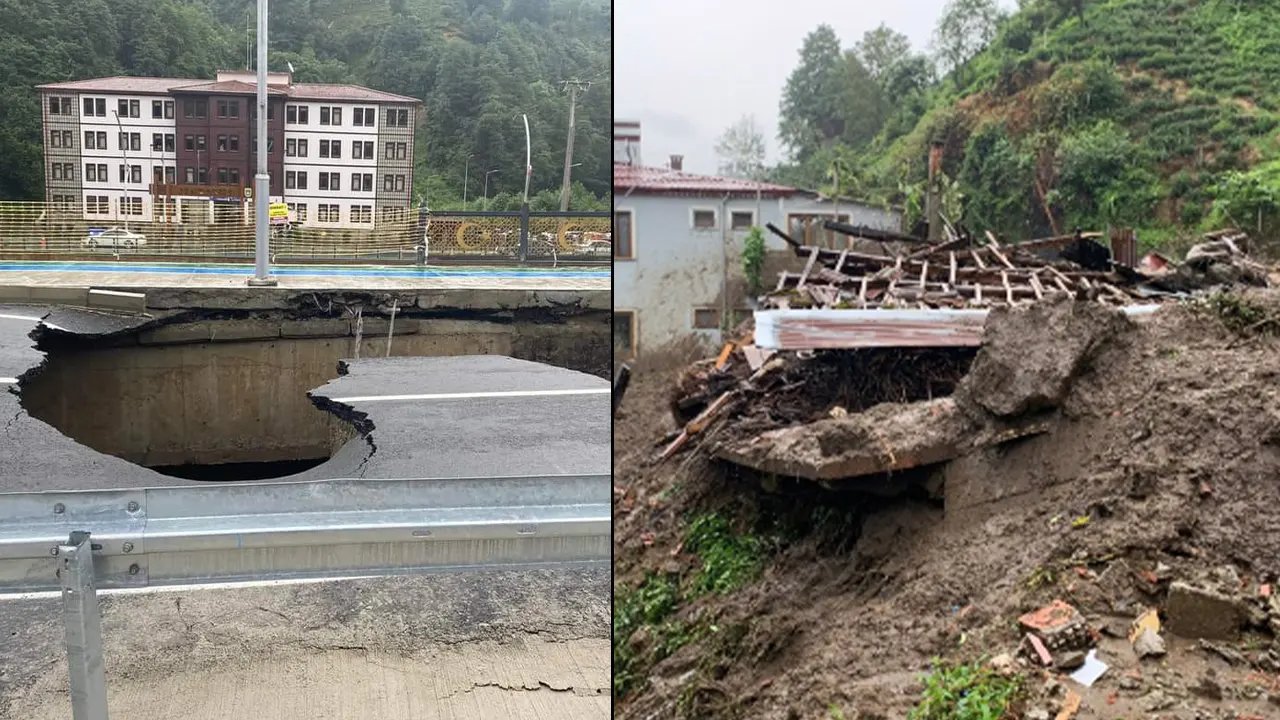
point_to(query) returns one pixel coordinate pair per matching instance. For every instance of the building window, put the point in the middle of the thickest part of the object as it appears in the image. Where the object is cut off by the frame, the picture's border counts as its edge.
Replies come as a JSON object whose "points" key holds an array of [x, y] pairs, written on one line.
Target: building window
{"points": [[131, 206], [741, 220], [122, 108], [135, 108], [102, 139], [55, 138], [706, 319], [390, 151], [302, 212], [704, 219], [330, 181], [164, 208], [291, 114], [330, 115], [200, 142], [291, 147], [60, 106], [302, 179], [623, 235], [202, 176], [189, 143], [135, 174], [195, 109], [135, 142], [168, 109], [399, 183], [100, 107], [365, 117], [102, 172], [357, 150], [361, 214], [397, 118], [89, 143], [90, 172], [222, 176], [302, 148], [401, 150], [171, 175], [168, 142], [808, 229], [387, 183], [157, 174], [290, 180], [157, 142], [362, 182], [235, 176], [624, 334], [190, 174], [328, 213], [222, 143], [324, 148], [157, 108], [55, 171], [228, 108], [234, 143]]}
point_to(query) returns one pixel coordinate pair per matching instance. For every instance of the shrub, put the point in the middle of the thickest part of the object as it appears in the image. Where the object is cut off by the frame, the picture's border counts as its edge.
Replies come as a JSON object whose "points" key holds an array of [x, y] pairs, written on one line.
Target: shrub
{"points": [[966, 692]]}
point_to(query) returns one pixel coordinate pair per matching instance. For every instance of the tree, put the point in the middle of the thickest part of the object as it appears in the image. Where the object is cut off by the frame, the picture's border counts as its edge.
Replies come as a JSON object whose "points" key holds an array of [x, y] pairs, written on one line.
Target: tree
{"points": [[1072, 6], [741, 150], [882, 49], [965, 28], [810, 114], [863, 107]]}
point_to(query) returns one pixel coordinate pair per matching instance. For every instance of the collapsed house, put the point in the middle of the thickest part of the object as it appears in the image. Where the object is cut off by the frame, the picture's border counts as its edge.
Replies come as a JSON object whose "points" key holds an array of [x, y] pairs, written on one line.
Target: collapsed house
{"points": [[854, 366]]}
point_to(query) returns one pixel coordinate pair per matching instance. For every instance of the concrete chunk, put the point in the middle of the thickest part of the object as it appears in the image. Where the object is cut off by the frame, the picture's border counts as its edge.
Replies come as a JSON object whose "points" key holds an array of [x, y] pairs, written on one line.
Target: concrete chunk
{"points": [[118, 300], [1199, 613]]}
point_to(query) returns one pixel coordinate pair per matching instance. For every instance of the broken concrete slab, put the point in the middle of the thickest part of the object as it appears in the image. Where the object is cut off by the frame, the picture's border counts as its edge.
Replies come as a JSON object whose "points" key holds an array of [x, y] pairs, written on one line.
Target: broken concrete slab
{"points": [[1030, 355], [117, 300], [1195, 612]]}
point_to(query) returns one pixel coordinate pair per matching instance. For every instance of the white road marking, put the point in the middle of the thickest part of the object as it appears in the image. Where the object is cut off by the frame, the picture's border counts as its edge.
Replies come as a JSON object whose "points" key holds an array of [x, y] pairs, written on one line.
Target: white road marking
{"points": [[465, 396], [31, 319]]}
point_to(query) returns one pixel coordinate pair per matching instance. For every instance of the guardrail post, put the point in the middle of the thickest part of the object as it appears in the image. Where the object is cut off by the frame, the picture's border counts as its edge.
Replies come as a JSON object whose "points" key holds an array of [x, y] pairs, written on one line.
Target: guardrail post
{"points": [[421, 247], [83, 621], [524, 232]]}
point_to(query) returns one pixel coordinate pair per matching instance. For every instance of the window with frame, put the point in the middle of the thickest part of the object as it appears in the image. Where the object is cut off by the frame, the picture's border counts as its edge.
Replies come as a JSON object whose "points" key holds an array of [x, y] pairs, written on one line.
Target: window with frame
{"points": [[623, 231], [366, 182], [741, 220], [171, 174], [55, 138], [399, 183], [102, 139], [302, 212], [388, 182], [290, 180], [624, 334], [704, 219], [324, 148], [168, 109], [68, 139], [401, 150], [157, 109], [390, 151], [234, 176], [90, 172], [157, 174], [59, 105], [233, 143], [361, 214], [190, 175], [291, 147], [122, 108], [55, 171], [189, 142], [89, 143], [302, 179], [222, 143], [302, 147], [168, 142], [135, 142], [135, 108], [222, 176], [157, 142], [202, 176], [200, 142], [706, 318]]}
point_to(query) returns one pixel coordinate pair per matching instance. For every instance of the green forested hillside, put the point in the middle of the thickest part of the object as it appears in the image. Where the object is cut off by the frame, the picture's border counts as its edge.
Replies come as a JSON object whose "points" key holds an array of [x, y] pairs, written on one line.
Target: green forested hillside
{"points": [[1159, 114], [476, 64]]}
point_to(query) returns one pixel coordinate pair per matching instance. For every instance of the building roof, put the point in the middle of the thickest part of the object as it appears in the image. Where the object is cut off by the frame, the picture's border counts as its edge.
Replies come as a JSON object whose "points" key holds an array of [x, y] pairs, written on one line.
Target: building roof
{"points": [[163, 86], [349, 93], [121, 84], [664, 181], [225, 87]]}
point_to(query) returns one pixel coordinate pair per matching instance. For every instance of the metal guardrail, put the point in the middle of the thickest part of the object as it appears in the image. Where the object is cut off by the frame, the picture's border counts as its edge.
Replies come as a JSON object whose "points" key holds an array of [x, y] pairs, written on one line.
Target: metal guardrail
{"points": [[82, 541], [53, 230]]}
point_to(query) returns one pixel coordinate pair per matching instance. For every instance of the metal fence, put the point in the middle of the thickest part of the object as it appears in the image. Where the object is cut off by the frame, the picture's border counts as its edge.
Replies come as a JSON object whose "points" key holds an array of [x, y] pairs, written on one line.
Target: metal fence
{"points": [[78, 542], [34, 230], [524, 236]]}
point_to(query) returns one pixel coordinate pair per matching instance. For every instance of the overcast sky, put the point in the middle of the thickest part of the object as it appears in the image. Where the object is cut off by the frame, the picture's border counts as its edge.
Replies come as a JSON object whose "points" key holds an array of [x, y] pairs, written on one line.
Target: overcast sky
{"points": [[687, 69]]}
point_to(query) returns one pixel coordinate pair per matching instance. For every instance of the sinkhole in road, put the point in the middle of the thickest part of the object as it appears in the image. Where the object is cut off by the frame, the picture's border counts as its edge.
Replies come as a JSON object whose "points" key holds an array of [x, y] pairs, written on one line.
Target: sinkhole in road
{"points": [[218, 411]]}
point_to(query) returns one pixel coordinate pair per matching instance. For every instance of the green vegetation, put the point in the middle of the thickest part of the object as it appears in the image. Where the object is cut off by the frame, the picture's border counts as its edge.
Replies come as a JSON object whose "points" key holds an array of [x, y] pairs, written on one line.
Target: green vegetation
{"points": [[753, 259], [476, 65], [645, 629], [966, 692], [1240, 315], [1156, 114]]}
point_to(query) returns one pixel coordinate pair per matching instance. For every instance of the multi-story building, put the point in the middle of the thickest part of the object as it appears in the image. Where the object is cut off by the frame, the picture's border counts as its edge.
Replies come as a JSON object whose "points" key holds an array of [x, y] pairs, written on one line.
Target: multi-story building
{"points": [[183, 150], [677, 247]]}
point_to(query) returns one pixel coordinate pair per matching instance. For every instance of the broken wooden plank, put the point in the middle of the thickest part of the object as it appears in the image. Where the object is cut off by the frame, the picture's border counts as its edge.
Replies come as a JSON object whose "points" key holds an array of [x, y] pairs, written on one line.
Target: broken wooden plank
{"points": [[808, 267], [723, 358], [699, 423], [1008, 290], [977, 259]]}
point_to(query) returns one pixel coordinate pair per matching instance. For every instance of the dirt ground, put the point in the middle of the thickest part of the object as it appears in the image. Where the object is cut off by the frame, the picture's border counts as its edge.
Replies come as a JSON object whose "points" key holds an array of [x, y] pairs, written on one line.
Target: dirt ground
{"points": [[500, 643], [1158, 464]]}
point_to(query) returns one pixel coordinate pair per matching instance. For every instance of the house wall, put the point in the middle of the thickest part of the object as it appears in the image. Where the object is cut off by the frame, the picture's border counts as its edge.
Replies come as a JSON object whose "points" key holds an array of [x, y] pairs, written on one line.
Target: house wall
{"points": [[62, 154], [678, 268]]}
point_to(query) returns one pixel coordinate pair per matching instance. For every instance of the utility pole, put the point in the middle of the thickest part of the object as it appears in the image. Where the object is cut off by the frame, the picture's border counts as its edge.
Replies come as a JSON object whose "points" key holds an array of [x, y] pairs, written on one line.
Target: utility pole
{"points": [[262, 180], [466, 174], [574, 86]]}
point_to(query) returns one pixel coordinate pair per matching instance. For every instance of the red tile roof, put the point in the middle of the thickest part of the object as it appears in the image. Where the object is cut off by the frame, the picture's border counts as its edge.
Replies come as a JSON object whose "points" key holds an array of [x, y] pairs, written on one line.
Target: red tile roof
{"points": [[163, 86], [227, 87], [637, 178], [121, 84], [347, 93]]}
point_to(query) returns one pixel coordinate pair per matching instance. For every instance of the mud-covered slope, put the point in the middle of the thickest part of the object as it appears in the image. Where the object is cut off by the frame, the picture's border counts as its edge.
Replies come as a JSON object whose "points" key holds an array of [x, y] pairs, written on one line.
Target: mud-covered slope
{"points": [[1158, 464]]}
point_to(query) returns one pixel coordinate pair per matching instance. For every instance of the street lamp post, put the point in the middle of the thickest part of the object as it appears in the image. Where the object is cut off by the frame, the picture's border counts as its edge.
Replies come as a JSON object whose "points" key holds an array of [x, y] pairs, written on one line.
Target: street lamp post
{"points": [[486, 187], [125, 208], [466, 174], [261, 180]]}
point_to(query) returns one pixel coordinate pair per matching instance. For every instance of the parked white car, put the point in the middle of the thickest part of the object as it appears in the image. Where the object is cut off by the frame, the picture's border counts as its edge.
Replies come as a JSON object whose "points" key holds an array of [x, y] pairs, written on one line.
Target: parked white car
{"points": [[115, 238]]}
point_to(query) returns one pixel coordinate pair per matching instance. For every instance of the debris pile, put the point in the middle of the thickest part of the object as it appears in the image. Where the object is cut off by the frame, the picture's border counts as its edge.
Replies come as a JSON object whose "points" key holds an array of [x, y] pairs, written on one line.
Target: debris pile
{"points": [[963, 273], [1098, 510]]}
